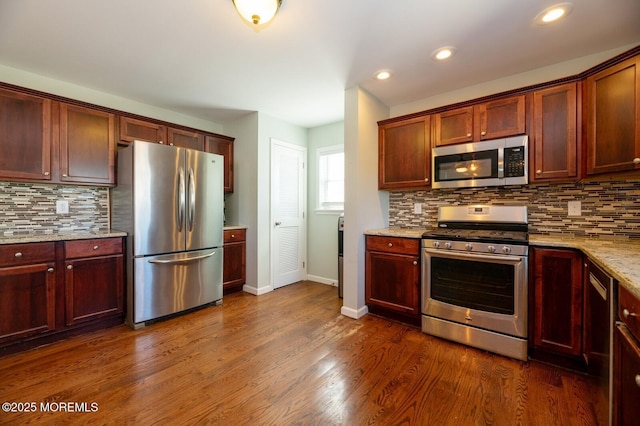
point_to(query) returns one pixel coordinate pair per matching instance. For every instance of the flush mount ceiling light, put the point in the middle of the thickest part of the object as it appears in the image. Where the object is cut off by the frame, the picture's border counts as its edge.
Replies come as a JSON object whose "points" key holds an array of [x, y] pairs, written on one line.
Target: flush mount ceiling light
{"points": [[383, 74], [553, 13], [443, 53], [257, 12]]}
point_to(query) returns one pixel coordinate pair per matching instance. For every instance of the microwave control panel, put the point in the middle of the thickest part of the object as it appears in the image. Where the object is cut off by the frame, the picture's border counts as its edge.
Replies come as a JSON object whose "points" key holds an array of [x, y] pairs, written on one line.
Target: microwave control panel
{"points": [[514, 161]]}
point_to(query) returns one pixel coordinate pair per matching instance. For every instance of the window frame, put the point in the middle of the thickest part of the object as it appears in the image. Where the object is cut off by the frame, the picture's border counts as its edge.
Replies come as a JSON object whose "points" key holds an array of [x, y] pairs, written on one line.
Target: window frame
{"points": [[321, 152]]}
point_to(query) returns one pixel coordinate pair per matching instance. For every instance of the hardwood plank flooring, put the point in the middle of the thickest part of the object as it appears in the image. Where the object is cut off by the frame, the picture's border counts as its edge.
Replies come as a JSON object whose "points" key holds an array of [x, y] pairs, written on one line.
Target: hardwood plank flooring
{"points": [[286, 358]]}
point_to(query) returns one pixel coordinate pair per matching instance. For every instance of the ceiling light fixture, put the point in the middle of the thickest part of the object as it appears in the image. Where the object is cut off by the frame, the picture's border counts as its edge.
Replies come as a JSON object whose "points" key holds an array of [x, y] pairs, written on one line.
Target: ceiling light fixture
{"points": [[553, 13], [257, 12], [443, 53], [383, 74]]}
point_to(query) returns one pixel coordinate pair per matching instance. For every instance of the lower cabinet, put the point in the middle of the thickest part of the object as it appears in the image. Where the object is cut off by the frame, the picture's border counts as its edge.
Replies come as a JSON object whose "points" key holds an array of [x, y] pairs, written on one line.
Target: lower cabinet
{"points": [[626, 364], [234, 265], [557, 302], [392, 277], [50, 289]]}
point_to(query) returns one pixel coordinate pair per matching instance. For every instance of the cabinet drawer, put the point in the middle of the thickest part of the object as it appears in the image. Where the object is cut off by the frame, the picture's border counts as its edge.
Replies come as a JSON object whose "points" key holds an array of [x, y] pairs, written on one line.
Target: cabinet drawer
{"points": [[23, 254], [393, 244], [631, 305], [233, 235], [91, 248]]}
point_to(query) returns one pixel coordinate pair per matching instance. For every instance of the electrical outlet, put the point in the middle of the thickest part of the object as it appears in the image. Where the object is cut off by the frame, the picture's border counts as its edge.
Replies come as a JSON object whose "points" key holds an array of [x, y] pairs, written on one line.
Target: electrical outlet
{"points": [[417, 208], [574, 208], [62, 207]]}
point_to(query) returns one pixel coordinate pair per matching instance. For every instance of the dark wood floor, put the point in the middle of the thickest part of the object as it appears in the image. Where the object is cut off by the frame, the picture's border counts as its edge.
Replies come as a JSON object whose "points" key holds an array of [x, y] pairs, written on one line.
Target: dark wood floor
{"points": [[287, 358]]}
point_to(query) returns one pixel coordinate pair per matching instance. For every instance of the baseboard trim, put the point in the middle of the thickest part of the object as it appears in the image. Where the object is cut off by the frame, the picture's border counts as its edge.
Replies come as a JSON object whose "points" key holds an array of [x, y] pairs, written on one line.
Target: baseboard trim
{"points": [[257, 291], [353, 313], [322, 280]]}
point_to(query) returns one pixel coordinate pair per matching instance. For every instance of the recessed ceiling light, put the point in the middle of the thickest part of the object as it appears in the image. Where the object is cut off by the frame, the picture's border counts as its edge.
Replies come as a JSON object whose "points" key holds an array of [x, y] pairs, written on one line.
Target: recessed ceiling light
{"points": [[383, 74], [443, 53], [553, 13]]}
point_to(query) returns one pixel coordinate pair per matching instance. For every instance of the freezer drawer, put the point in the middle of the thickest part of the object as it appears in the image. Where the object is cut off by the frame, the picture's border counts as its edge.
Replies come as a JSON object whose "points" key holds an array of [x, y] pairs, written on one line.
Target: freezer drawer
{"points": [[171, 283]]}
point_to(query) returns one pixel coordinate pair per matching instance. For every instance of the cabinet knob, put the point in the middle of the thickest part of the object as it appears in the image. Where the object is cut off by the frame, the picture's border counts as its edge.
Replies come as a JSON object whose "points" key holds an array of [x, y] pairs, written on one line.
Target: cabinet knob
{"points": [[390, 245], [468, 135], [18, 254], [95, 247], [46, 173], [233, 235], [538, 172], [638, 380], [160, 142], [627, 314], [50, 270], [415, 262], [69, 267], [483, 133], [426, 180], [636, 161], [171, 144], [65, 175]]}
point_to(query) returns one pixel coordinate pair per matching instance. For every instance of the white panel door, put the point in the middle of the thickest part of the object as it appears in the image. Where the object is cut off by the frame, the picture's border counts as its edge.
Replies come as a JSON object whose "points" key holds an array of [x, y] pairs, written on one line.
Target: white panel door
{"points": [[288, 201]]}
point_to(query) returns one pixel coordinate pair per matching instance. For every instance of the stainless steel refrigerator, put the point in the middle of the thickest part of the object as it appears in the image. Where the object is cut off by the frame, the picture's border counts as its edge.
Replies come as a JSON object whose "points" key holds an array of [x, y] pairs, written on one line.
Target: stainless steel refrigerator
{"points": [[170, 202]]}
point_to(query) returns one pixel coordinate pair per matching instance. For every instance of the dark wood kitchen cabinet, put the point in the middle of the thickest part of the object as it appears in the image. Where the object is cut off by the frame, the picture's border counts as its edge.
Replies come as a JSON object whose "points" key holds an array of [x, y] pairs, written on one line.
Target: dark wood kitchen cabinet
{"points": [[392, 277], [223, 145], [488, 120], [185, 139], [626, 364], [404, 154], [613, 118], [27, 291], [554, 145], [234, 264], [25, 136], [94, 279], [87, 145], [557, 301], [132, 129]]}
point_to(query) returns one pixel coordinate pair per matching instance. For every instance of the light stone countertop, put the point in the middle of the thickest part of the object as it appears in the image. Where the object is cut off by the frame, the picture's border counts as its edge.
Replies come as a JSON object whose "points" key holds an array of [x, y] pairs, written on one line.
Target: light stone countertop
{"points": [[58, 236], [232, 227], [620, 258]]}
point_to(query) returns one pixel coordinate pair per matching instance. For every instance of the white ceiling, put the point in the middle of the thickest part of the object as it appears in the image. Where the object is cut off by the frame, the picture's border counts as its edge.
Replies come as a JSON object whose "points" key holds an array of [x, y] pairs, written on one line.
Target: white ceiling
{"points": [[198, 57]]}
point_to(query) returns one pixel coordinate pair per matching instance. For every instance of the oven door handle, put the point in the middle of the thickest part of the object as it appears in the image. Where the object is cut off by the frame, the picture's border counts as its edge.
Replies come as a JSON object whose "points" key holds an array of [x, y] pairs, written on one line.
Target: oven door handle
{"points": [[467, 256]]}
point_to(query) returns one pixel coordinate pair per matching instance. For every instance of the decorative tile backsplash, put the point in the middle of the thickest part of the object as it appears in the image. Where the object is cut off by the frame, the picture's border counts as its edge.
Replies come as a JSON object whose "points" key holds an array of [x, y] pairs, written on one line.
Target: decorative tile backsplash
{"points": [[27, 209], [609, 209]]}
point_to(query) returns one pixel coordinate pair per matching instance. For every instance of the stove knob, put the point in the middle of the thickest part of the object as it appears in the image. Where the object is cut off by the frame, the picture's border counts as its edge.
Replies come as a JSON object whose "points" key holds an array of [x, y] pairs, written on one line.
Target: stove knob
{"points": [[491, 249], [447, 245], [506, 249], [468, 246], [436, 244]]}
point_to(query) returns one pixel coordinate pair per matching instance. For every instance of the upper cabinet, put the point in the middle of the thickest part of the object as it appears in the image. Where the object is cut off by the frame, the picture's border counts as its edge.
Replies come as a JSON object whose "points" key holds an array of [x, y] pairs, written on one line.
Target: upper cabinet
{"points": [[222, 145], [87, 145], [613, 118], [25, 136], [185, 139], [484, 121], [554, 143], [404, 154], [132, 129]]}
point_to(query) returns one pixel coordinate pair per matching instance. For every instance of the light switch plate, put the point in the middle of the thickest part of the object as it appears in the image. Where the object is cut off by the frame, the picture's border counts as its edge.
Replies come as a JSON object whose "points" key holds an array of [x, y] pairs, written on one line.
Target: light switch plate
{"points": [[574, 208], [62, 207], [417, 208]]}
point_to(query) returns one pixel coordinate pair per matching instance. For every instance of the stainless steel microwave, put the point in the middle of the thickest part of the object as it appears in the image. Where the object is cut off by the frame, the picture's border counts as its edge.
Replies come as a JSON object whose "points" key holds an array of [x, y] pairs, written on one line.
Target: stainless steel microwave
{"points": [[495, 162]]}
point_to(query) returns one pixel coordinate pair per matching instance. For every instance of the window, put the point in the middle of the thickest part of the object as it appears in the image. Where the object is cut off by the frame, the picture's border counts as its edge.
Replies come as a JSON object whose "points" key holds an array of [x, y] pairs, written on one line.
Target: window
{"points": [[330, 178]]}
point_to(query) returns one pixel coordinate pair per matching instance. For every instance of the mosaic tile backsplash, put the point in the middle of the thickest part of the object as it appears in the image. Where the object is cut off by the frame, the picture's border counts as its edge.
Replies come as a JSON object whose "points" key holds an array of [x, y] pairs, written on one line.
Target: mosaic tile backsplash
{"points": [[28, 209], [610, 209]]}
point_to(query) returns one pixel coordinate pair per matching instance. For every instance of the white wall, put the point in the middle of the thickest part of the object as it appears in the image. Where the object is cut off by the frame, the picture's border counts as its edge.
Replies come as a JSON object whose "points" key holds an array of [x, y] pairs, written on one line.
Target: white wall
{"points": [[322, 232], [72, 91], [365, 206]]}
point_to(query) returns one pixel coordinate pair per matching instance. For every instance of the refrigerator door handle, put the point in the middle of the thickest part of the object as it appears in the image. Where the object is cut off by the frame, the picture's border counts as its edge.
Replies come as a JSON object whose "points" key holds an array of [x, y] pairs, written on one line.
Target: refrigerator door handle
{"points": [[180, 203], [192, 200], [184, 260]]}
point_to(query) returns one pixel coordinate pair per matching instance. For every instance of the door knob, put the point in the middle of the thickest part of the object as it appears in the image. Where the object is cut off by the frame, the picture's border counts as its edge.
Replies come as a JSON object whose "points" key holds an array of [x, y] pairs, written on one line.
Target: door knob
{"points": [[278, 223]]}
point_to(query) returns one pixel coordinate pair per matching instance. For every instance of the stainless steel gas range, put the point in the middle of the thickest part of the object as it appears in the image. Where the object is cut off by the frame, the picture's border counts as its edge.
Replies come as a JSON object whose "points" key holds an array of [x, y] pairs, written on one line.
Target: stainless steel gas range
{"points": [[475, 276]]}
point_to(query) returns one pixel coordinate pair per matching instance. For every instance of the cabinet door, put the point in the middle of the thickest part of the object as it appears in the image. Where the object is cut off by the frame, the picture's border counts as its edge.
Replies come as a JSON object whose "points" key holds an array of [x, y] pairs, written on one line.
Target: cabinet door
{"points": [[626, 383], [404, 154], [185, 139], [558, 301], [25, 136], [93, 288], [132, 130], [224, 147], [392, 281], [87, 145], [455, 126], [27, 301], [500, 118], [233, 272], [613, 119], [555, 143]]}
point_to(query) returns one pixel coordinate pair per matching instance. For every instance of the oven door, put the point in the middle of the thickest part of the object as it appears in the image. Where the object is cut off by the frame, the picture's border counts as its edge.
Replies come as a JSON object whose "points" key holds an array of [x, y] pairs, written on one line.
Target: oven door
{"points": [[478, 290]]}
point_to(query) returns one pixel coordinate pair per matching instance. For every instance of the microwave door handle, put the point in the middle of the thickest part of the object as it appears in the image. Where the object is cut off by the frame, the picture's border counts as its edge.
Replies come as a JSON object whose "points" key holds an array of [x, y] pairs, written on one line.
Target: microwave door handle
{"points": [[500, 163]]}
